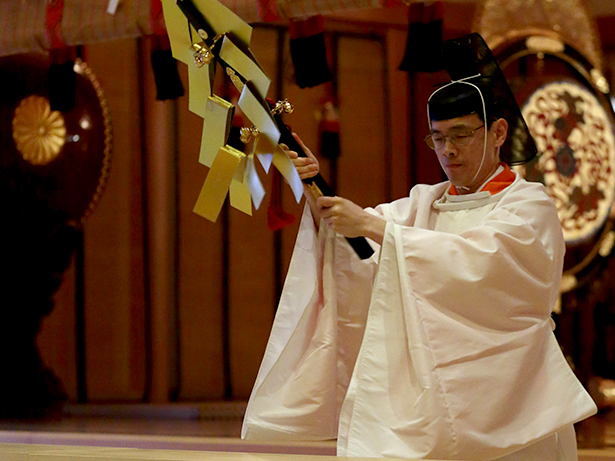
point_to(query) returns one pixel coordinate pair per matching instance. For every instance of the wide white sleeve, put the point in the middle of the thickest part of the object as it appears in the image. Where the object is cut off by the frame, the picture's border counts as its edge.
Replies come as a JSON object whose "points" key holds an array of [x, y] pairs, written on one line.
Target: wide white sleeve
{"points": [[505, 262], [314, 340]]}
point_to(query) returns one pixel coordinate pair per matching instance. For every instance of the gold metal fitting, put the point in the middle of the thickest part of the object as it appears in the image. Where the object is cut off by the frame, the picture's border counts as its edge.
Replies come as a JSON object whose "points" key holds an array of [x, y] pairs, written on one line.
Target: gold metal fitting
{"points": [[282, 106], [600, 80], [202, 52], [235, 79], [248, 134]]}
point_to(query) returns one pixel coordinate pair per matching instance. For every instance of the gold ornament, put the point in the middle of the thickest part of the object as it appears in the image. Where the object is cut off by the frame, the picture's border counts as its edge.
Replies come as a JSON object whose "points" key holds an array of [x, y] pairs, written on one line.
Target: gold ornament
{"points": [[235, 79], [248, 134], [606, 245], [282, 106], [599, 80], [82, 68], [39, 132], [202, 54]]}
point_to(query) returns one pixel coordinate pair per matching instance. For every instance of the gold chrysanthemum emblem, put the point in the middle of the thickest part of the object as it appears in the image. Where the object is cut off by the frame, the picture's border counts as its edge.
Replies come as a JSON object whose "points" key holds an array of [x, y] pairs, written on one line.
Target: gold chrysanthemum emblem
{"points": [[39, 132]]}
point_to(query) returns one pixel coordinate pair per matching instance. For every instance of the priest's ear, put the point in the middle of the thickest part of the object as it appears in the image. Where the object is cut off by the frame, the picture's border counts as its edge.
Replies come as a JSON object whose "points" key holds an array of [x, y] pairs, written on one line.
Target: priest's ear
{"points": [[500, 129]]}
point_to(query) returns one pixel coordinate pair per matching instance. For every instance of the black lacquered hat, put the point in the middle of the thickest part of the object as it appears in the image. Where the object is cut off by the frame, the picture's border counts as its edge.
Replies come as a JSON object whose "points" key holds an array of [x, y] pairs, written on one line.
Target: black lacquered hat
{"points": [[473, 68]]}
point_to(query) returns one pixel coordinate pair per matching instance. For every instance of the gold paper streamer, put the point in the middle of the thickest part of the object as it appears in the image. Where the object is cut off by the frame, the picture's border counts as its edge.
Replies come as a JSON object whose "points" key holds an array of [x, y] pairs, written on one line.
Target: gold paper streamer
{"points": [[240, 196], [177, 28], [261, 118], [286, 167], [239, 192], [257, 191], [231, 172], [222, 20], [216, 186], [264, 148], [199, 83], [218, 117]]}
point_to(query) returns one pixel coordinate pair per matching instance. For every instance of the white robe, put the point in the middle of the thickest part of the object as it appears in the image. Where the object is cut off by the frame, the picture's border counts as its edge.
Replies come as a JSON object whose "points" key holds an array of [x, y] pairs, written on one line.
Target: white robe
{"points": [[440, 346]]}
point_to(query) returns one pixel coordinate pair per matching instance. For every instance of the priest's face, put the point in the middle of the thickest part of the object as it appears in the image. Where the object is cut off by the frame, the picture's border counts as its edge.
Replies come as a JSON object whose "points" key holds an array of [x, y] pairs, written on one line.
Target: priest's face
{"points": [[460, 145]]}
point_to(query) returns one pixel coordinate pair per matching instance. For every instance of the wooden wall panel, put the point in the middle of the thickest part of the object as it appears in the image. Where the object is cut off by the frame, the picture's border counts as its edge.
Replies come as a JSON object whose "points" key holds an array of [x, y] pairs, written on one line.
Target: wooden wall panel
{"points": [[251, 297], [361, 167], [114, 285], [201, 269], [399, 116], [160, 209], [424, 168]]}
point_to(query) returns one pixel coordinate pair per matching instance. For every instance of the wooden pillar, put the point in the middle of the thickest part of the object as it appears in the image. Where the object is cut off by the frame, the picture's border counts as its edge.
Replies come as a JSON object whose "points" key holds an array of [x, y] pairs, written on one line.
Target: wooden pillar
{"points": [[160, 211], [397, 86]]}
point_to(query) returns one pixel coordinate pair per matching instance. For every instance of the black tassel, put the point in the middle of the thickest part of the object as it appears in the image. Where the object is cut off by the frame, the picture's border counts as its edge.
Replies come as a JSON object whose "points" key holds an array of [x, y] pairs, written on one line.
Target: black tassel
{"points": [[424, 43], [309, 53], [166, 76]]}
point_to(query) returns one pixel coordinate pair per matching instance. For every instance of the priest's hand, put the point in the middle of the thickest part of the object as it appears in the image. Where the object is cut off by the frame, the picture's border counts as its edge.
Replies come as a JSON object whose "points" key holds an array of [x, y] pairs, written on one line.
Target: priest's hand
{"points": [[349, 219], [307, 167]]}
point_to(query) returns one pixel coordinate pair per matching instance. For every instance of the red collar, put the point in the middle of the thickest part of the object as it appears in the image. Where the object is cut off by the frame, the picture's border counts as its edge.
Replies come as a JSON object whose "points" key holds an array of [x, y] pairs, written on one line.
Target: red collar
{"points": [[497, 184]]}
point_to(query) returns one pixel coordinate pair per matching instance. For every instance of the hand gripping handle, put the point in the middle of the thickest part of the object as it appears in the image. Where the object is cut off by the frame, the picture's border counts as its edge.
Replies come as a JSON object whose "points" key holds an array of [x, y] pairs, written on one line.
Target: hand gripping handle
{"points": [[319, 186]]}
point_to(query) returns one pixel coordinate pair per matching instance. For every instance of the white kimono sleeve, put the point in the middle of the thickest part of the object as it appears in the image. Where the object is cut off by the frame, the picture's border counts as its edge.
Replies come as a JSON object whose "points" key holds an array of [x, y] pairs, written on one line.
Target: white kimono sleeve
{"points": [[313, 344]]}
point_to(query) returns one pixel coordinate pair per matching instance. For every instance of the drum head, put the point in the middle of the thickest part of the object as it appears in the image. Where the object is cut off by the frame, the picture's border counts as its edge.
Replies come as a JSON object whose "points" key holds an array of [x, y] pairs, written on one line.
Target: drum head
{"points": [[567, 107], [52, 160]]}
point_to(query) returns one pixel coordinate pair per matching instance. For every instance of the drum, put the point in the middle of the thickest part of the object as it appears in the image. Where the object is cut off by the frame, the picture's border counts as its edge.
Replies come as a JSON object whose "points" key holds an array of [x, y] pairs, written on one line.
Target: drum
{"points": [[566, 104], [53, 169], [49, 159]]}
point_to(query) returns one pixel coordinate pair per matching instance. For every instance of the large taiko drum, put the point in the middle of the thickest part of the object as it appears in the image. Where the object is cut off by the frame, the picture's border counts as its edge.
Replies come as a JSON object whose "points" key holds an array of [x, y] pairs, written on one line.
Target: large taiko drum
{"points": [[53, 169], [58, 160], [565, 102]]}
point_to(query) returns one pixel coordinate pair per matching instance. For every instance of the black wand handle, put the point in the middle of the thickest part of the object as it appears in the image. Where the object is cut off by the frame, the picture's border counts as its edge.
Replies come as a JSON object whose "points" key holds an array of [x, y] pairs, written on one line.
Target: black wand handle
{"points": [[359, 244]]}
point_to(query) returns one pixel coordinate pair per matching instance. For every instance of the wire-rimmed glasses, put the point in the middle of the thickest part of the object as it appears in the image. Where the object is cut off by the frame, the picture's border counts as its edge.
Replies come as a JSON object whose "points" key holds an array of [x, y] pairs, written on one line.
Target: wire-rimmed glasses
{"points": [[459, 137]]}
